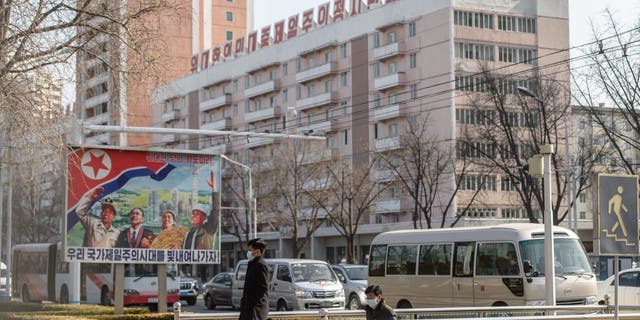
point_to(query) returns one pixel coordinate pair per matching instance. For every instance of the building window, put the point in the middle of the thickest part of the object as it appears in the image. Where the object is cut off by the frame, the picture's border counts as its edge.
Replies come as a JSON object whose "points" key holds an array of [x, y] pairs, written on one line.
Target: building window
{"points": [[393, 130], [391, 38], [376, 100], [343, 79], [583, 215], [331, 143], [229, 16], [343, 107], [311, 90], [473, 19], [328, 57], [375, 131], [393, 68], [474, 51], [298, 65], [229, 35], [583, 198], [412, 29], [328, 86], [345, 136], [413, 89], [376, 70], [376, 40], [298, 92], [517, 55], [285, 69], [285, 95], [343, 50], [235, 109], [517, 24], [412, 61]]}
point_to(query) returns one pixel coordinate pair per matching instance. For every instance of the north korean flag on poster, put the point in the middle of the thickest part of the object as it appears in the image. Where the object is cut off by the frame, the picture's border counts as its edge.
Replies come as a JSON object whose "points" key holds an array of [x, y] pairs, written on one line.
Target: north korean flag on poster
{"points": [[109, 170]]}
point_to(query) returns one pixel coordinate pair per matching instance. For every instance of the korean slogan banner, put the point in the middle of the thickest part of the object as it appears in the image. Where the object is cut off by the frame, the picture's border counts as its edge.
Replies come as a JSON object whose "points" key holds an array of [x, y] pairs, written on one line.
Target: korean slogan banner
{"points": [[142, 206]]}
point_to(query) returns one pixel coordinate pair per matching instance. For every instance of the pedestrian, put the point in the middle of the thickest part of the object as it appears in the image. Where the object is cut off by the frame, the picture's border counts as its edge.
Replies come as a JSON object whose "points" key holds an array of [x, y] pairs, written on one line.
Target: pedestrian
{"points": [[255, 300], [376, 309]]}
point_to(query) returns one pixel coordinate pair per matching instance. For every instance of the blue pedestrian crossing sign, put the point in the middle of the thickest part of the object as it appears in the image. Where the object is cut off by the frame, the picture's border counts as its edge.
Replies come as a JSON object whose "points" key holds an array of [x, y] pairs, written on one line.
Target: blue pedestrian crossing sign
{"points": [[617, 227]]}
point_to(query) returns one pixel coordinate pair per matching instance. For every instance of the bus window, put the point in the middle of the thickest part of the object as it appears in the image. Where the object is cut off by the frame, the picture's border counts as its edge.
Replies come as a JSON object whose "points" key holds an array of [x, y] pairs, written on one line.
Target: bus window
{"points": [[376, 260], [435, 260], [401, 260], [497, 259], [463, 263]]}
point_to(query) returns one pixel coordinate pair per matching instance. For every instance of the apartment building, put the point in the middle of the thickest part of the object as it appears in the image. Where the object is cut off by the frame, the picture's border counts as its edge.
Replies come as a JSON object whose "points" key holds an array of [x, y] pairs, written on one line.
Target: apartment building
{"points": [[359, 79], [106, 96]]}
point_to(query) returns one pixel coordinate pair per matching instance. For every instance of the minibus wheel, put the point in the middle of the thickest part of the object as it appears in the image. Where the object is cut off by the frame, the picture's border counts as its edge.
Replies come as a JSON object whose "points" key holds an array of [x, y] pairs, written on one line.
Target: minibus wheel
{"points": [[404, 304]]}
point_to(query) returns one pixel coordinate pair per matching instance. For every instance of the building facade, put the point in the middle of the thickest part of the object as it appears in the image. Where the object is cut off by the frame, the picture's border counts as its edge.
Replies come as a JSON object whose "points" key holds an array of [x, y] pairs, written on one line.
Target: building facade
{"points": [[107, 96], [358, 80]]}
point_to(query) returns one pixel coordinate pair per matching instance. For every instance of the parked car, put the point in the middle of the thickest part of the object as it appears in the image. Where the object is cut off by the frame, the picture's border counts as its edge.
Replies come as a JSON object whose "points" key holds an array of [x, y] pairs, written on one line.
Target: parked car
{"points": [[189, 289], [354, 281], [217, 291], [629, 288], [295, 284]]}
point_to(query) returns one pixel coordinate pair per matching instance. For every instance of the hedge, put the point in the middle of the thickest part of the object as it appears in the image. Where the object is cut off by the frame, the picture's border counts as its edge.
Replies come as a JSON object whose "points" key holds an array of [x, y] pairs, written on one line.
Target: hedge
{"points": [[33, 311]]}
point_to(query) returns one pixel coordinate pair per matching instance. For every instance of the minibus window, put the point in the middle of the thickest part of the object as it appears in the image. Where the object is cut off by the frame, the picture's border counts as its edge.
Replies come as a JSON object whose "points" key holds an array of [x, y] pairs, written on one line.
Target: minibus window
{"points": [[435, 259], [401, 260], [464, 259], [497, 259], [376, 260]]}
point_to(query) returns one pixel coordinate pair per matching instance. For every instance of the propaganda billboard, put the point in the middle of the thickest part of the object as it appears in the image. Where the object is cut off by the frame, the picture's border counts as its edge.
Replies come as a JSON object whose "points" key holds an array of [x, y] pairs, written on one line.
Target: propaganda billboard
{"points": [[138, 206]]}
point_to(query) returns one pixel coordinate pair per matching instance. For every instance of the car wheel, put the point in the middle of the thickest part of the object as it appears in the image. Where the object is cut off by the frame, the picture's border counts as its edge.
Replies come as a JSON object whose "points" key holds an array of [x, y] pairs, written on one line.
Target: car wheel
{"points": [[104, 296], [192, 300], [282, 305], [354, 302], [25, 294], [64, 295], [208, 301], [153, 307]]}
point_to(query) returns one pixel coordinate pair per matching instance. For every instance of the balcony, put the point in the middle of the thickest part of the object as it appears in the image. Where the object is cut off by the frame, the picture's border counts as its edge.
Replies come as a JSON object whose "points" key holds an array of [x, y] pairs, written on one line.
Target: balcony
{"points": [[99, 139], [390, 81], [317, 72], [94, 101], [323, 126], [388, 51], [314, 157], [262, 88], [99, 119], [223, 124], [385, 175], [388, 144], [255, 142], [387, 206], [170, 116], [218, 149], [100, 78], [388, 112], [318, 100], [262, 114], [211, 104], [169, 138]]}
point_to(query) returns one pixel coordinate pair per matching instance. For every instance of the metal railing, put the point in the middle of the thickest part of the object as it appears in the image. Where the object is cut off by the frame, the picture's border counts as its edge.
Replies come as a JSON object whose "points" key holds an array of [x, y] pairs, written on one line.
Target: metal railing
{"points": [[598, 312]]}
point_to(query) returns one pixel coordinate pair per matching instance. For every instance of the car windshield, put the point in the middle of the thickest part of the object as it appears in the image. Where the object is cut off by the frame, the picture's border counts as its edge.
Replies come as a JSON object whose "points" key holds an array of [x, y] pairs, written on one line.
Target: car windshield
{"points": [[570, 257], [357, 273], [309, 272]]}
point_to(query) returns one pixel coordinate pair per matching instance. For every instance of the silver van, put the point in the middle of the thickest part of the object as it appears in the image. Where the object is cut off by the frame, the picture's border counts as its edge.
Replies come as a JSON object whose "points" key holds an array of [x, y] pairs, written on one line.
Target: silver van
{"points": [[295, 284], [354, 281]]}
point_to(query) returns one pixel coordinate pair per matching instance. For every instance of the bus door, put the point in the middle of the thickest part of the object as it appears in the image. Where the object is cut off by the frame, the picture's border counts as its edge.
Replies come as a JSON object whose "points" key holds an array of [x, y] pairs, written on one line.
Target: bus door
{"points": [[463, 282], [497, 279]]}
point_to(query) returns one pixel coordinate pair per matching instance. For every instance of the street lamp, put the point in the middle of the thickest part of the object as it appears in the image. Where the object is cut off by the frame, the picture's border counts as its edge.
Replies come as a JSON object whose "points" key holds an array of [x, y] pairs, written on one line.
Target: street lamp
{"points": [[549, 256]]}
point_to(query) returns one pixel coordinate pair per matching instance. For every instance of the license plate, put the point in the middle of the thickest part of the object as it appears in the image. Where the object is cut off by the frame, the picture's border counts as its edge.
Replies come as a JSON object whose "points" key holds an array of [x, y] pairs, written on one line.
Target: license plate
{"points": [[154, 300], [327, 303]]}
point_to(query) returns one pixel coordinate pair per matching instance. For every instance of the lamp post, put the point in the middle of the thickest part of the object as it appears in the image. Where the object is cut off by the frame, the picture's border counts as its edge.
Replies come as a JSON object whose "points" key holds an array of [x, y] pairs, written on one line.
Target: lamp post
{"points": [[546, 150]]}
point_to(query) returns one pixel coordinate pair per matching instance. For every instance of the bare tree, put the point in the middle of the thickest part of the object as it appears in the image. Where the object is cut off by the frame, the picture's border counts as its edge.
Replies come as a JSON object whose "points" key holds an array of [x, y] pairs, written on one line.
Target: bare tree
{"points": [[606, 87], [285, 179], [505, 128], [425, 169], [348, 198]]}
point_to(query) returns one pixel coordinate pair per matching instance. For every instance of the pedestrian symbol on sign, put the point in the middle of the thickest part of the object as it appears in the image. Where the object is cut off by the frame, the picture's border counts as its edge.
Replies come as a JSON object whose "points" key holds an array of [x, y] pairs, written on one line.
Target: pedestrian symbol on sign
{"points": [[616, 204]]}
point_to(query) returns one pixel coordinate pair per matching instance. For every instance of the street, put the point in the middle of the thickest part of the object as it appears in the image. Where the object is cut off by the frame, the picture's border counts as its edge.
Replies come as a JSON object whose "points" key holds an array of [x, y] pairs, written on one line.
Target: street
{"points": [[199, 307]]}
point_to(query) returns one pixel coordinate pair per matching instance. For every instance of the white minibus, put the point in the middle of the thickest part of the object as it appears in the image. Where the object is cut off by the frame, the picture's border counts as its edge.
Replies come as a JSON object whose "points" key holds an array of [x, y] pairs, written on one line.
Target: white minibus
{"points": [[500, 265]]}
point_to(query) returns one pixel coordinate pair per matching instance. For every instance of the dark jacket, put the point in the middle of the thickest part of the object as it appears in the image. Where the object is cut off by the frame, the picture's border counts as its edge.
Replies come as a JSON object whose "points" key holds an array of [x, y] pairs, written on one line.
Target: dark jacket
{"points": [[125, 240], [255, 300], [381, 312], [204, 236]]}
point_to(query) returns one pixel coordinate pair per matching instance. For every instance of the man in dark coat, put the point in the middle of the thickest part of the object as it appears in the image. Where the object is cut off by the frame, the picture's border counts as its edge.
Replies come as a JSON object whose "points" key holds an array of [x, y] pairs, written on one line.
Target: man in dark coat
{"points": [[255, 300], [376, 309]]}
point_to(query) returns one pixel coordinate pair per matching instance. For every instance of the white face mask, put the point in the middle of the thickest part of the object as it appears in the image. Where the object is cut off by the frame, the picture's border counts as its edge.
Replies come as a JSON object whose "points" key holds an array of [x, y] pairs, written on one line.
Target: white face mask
{"points": [[372, 303], [249, 255]]}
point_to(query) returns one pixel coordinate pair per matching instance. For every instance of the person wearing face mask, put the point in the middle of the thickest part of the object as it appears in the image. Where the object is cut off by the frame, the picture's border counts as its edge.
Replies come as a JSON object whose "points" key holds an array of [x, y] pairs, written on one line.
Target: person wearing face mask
{"points": [[255, 300], [376, 309]]}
